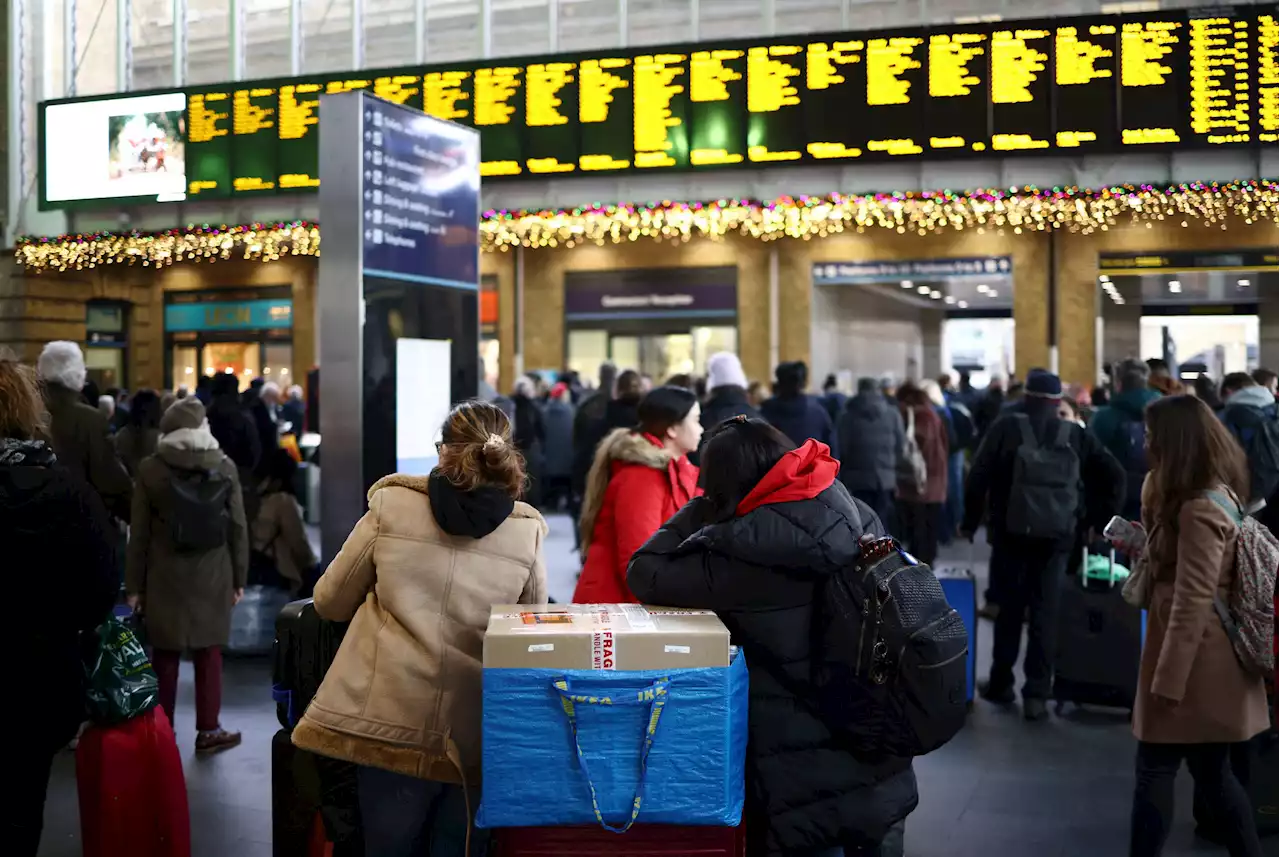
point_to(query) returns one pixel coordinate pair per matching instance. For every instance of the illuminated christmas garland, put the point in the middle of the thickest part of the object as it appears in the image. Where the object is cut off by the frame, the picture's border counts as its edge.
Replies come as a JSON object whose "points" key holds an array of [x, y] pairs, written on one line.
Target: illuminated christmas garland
{"points": [[265, 242], [1018, 210], [1026, 209]]}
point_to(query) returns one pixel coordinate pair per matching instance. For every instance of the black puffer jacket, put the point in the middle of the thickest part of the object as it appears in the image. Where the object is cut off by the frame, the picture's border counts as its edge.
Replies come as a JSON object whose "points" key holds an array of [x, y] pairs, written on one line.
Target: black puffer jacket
{"points": [[60, 548], [759, 572]]}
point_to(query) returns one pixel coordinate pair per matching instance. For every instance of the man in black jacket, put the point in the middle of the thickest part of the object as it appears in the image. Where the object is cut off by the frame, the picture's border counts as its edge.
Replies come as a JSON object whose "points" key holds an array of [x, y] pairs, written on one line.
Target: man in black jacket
{"points": [[1033, 568], [871, 439]]}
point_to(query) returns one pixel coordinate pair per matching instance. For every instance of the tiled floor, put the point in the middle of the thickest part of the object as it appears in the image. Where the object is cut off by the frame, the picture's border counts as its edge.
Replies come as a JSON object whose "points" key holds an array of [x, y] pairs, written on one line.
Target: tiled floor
{"points": [[1002, 787]]}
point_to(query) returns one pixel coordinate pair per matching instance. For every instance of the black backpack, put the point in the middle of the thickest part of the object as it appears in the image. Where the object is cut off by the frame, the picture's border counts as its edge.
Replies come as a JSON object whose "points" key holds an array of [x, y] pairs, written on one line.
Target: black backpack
{"points": [[1134, 459], [1044, 497], [892, 674], [197, 510], [1259, 435]]}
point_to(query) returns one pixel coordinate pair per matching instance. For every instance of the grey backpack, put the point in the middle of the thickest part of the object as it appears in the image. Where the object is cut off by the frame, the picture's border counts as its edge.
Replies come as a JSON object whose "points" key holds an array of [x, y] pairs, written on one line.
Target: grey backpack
{"points": [[1045, 494]]}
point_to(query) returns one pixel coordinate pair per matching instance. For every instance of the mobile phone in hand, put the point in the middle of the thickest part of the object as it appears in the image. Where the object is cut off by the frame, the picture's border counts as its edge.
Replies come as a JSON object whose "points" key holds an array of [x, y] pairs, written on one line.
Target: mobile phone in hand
{"points": [[1123, 532]]}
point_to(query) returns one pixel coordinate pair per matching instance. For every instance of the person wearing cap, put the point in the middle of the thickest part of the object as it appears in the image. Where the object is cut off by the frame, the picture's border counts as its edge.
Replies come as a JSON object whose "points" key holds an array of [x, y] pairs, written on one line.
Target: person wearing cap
{"points": [[1031, 569], [186, 590]]}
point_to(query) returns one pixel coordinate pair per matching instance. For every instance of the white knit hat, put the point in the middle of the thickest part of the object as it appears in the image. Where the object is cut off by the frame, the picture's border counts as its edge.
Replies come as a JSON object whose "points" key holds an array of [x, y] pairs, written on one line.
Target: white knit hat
{"points": [[724, 369], [62, 362]]}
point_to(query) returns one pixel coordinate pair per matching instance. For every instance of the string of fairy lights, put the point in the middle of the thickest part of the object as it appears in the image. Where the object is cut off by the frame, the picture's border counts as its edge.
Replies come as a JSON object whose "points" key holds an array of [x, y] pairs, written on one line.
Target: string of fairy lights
{"points": [[1015, 210]]}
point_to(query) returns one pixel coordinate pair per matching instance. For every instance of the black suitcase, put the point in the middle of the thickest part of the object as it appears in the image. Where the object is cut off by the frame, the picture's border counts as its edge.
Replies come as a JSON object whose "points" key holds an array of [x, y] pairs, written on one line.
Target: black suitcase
{"points": [[1098, 646], [307, 789], [305, 646]]}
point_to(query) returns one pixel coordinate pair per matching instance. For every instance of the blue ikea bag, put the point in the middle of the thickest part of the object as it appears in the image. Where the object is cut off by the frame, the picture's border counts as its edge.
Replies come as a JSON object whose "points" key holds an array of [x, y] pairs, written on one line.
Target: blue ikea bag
{"points": [[565, 747]]}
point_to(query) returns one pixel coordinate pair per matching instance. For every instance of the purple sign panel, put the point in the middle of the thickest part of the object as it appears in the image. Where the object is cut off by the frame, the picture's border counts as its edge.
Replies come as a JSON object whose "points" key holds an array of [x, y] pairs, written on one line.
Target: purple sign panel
{"points": [[651, 293]]}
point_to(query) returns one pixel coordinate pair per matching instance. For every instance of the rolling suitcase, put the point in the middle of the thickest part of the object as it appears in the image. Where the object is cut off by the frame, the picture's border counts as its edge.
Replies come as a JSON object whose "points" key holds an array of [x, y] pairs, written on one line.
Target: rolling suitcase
{"points": [[133, 796], [653, 840], [305, 646], [314, 806], [1099, 642], [961, 591]]}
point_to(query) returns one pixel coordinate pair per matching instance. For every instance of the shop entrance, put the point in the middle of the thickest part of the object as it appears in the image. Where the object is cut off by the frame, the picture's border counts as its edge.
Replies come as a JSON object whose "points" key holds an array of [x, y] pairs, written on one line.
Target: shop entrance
{"points": [[248, 334], [656, 354], [272, 360]]}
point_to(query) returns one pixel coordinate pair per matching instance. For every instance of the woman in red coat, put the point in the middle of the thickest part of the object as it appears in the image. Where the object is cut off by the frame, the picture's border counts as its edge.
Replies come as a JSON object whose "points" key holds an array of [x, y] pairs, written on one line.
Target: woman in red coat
{"points": [[639, 479], [920, 512]]}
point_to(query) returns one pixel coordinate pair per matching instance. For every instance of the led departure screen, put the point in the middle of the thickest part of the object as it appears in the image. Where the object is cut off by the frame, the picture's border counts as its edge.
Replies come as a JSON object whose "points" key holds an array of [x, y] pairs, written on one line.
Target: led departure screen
{"points": [[1102, 84]]}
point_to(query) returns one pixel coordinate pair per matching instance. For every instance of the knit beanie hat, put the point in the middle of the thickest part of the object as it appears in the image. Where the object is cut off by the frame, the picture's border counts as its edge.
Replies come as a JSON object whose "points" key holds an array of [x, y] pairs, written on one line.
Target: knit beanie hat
{"points": [[724, 369], [1043, 385], [185, 413]]}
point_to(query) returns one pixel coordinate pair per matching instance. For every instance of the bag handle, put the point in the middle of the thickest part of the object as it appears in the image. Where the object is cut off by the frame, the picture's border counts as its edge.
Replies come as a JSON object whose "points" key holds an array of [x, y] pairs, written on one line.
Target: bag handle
{"points": [[655, 697], [1024, 426]]}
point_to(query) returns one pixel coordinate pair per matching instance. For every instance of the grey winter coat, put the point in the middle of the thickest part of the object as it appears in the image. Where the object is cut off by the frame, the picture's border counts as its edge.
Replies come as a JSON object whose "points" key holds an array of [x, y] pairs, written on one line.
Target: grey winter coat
{"points": [[557, 453], [871, 438], [186, 598], [78, 436]]}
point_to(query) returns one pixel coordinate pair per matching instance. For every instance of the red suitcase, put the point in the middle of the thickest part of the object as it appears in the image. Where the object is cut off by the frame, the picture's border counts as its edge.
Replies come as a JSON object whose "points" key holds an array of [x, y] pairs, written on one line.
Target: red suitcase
{"points": [[643, 840], [133, 797]]}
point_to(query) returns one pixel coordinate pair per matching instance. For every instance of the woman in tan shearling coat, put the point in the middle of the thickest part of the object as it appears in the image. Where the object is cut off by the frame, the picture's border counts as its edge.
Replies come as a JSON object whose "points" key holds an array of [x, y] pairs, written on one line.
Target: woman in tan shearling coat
{"points": [[416, 578], [1194, 698]]}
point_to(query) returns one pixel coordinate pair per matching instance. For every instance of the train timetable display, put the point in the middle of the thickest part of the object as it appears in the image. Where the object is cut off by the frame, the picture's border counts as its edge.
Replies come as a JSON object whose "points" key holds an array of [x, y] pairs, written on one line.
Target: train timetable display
{"points": [[1099, 84]]}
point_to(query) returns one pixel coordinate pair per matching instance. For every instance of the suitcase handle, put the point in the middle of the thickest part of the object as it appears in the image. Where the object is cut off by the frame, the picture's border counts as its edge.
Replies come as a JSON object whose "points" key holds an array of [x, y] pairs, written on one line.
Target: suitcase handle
{"points": [[654, 697]]}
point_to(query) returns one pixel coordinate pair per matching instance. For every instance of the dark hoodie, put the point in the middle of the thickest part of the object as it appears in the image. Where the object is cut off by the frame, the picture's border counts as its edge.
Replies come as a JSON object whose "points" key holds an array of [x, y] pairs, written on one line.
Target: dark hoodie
{"points": [[60, 547], [759, 571], [800, 418], [473, 514]]}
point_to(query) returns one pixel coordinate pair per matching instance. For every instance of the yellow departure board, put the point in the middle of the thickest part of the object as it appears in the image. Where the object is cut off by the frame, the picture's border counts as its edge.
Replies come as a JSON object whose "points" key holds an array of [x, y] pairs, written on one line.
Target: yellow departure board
{"points": [[254, 117], [1019, 77], [447, 95], [1268, 99], [888, 60], [829, 87], [548, 106], [955, 61], [1219, 99], [1017, 61], [774, 77], [496, 98], [604, 114], [400, 88], [543, 83], [299, 110], [892, 66], [1149, 99], [1205, 77], [659, 81]]}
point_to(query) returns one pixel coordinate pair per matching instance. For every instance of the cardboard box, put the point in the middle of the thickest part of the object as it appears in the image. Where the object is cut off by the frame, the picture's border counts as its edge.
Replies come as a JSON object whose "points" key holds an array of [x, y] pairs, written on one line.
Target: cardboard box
{"points": [[604, 637]]}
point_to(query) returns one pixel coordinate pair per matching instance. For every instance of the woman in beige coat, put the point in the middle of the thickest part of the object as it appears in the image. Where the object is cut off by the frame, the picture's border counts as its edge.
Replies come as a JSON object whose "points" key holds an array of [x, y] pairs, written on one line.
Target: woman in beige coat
{"points": [[416, 578], [1194, 699]]}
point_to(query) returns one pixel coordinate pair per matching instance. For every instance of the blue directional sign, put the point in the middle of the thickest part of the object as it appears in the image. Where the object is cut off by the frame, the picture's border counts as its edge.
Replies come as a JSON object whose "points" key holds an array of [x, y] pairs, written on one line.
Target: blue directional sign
{"points": [[421, 207]]}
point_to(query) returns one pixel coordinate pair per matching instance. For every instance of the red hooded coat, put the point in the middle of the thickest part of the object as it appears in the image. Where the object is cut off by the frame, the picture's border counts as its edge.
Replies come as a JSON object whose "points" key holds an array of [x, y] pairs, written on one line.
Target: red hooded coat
{"points": [[635, 485]]}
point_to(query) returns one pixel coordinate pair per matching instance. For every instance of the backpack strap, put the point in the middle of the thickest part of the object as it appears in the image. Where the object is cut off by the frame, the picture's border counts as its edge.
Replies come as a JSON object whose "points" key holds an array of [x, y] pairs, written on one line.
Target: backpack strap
{"points": [[1024, 426], [1064, 434], [1227, 502]]}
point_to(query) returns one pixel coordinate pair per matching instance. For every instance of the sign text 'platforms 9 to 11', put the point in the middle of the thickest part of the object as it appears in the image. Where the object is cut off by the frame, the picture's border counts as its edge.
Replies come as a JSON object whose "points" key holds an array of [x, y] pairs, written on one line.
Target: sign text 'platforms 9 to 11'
{"points": [[1102, 84]]}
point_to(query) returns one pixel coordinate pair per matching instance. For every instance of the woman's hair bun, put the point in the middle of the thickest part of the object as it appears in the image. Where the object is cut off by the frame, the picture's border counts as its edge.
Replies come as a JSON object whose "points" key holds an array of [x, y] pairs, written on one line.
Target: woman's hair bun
{"points": [[477, 450]]}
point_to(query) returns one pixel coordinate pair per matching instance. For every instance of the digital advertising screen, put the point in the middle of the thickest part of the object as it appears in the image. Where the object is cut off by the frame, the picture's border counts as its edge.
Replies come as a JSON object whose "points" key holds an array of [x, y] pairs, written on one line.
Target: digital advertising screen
{"points": [[1200, 78], [130, 148]]}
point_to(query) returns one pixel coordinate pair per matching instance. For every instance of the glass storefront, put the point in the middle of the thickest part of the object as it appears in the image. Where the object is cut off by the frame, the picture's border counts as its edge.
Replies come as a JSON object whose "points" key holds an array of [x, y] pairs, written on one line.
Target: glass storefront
{"points": [[660, 322], [245, 334], [106, 343]]}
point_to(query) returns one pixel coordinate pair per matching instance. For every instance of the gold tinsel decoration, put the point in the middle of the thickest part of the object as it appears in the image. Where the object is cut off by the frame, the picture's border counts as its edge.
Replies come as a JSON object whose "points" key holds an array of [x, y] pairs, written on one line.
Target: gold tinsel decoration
{"points": [[1018, 210]]}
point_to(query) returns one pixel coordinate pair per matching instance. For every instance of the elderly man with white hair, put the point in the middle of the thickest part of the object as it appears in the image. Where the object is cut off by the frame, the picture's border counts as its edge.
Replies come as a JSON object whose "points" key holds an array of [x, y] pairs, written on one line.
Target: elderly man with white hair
{"points": [[78, 430]]}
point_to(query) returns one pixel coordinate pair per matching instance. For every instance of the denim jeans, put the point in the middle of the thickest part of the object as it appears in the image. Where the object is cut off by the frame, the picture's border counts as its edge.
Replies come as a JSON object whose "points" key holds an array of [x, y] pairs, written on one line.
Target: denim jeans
{"points": [[404, 817], [890, 846], [1157, 767]]}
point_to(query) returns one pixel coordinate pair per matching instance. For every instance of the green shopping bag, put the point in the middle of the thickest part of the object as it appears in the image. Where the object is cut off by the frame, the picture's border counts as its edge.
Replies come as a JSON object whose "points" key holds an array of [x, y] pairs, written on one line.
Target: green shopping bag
{"points": [[119, 681]]}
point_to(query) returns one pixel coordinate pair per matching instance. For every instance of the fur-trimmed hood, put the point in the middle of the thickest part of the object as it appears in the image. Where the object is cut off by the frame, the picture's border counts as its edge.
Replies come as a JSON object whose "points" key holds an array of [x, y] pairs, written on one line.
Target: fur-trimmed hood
{"points": [[421, 484], [620, 447]]}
